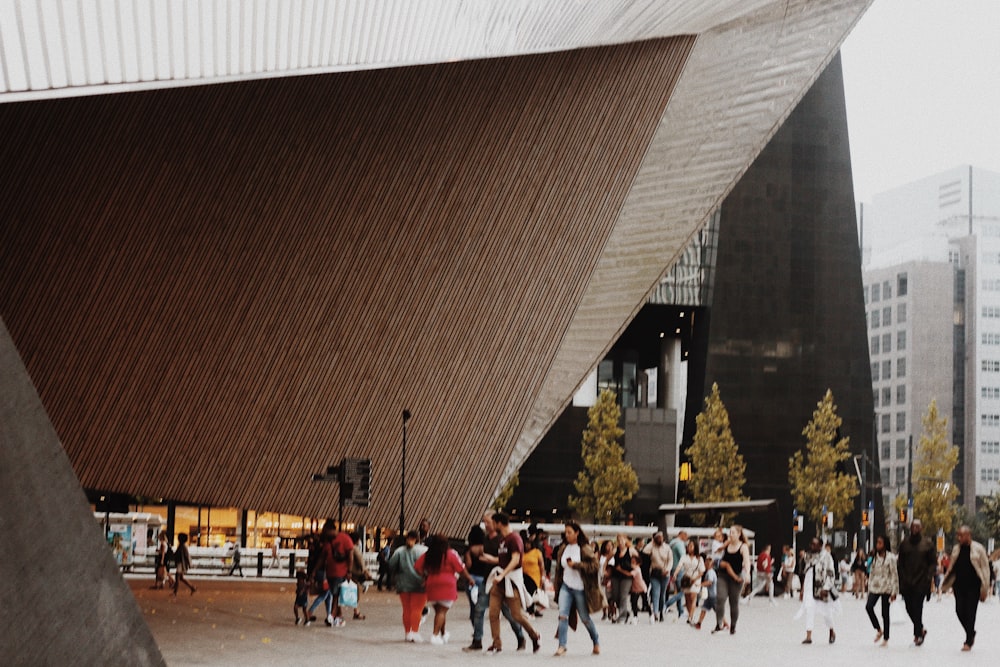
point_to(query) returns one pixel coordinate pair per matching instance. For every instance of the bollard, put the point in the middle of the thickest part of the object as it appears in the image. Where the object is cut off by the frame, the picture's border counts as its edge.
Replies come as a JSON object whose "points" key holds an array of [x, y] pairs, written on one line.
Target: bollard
{"points": [[260, 564]]}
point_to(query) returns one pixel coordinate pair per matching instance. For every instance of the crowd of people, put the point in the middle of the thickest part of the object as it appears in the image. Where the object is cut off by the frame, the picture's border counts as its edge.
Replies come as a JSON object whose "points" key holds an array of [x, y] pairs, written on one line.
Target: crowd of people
{"points": [[517, 575]]}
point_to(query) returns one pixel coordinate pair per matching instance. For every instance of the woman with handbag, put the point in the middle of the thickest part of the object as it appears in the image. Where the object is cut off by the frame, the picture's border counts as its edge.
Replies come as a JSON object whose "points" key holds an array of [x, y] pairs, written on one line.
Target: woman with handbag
{"points": [[691, 570], [576, 582], [734, 572]]}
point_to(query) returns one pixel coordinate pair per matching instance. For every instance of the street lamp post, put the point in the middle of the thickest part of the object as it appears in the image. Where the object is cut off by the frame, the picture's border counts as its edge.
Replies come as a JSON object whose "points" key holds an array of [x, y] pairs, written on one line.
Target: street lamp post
{"points": [[402, 481]]}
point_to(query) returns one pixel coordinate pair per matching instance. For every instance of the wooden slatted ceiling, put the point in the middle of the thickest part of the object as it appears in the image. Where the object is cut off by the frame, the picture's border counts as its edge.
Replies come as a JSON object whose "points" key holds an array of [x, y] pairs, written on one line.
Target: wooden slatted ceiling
{"points": [[221, 290]]}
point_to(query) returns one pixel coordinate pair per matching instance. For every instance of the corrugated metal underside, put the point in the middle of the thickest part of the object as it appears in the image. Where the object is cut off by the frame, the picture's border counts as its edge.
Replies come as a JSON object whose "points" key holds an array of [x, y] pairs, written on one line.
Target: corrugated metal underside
{"points": [[57, 48], [221, 290]]}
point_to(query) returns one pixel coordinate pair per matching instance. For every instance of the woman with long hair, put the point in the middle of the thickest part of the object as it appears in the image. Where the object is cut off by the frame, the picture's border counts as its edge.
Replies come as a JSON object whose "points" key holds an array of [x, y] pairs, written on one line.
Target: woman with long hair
{"points": [[183, 564], [691, 572], [162, 573], [577, 587], [621, 579], [882, 585], [734, 571], [439, 565]]}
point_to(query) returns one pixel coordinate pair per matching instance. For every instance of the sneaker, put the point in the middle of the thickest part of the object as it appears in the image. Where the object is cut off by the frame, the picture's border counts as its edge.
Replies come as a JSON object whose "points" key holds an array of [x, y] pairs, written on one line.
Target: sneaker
{"points": [[416, 638], [297, 620], [446, 637], [338, 622], [652, 619], [329, 621], [437, 640], [409, 637], [308, 623]]}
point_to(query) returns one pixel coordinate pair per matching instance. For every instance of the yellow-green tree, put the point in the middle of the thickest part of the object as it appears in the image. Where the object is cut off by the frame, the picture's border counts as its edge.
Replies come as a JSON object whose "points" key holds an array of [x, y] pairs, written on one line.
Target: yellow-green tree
{"points": [[814, 476], [607, 481], [934, 491], [500, 504], [718, 469]]}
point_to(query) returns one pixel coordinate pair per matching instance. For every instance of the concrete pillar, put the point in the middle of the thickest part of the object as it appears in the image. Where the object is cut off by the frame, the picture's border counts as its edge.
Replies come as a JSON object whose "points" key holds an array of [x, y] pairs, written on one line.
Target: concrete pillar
{"points": [[52, 550]]}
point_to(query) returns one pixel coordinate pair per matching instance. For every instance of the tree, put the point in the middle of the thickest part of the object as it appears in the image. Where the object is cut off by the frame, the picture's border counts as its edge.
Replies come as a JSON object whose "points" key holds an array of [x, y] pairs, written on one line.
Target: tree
{"points": [[606, 482], [991, 514], [934, 462], [500, 503], [814, 476], [718, 469]]}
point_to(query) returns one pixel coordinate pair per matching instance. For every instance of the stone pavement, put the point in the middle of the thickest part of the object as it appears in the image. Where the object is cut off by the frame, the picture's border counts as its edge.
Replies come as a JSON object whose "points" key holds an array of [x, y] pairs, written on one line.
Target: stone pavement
{"points": [[250, 622]]}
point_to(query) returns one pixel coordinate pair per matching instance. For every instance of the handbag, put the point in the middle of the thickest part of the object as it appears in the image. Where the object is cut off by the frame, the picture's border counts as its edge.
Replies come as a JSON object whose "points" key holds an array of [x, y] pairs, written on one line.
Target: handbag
{"points": [[540, 598], [348, 594]]}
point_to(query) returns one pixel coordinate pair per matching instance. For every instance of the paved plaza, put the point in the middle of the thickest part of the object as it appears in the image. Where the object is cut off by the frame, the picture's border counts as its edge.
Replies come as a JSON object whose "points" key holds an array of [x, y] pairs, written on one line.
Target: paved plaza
{"points": [[249, 622]]}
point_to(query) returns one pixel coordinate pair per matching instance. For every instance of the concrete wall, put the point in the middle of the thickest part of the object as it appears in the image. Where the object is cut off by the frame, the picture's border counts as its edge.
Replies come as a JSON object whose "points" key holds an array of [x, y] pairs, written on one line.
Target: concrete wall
{"points": [[53, 557]]}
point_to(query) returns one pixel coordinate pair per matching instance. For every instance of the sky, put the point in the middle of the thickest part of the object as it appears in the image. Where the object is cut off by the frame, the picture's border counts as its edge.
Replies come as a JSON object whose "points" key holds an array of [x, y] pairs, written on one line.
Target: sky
{"points": [[922, 84]]}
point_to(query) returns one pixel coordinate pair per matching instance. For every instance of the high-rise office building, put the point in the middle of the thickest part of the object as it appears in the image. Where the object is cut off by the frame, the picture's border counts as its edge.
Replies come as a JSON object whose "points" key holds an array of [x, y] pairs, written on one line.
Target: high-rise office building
{"points": [[932, 283]]}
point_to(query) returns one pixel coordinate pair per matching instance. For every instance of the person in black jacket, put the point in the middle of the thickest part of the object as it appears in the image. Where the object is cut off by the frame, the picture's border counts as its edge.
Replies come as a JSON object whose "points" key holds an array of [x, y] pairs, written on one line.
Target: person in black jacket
{"points": [[916, 564]]}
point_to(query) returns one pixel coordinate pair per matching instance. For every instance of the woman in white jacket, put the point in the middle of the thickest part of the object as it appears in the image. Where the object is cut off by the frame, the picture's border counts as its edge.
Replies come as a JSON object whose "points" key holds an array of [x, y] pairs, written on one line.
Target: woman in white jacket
{"points": [[883, 584]]}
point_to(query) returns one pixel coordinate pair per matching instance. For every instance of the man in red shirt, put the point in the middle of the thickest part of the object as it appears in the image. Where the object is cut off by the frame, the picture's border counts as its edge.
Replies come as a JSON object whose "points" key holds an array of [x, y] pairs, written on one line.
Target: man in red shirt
{"points": [[337, 549], [508, 585], [765, 567]]}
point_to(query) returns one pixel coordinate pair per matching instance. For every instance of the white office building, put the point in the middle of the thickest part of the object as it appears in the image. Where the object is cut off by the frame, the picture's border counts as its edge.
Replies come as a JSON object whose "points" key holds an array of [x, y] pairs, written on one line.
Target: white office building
{"points": [[932, 288]]}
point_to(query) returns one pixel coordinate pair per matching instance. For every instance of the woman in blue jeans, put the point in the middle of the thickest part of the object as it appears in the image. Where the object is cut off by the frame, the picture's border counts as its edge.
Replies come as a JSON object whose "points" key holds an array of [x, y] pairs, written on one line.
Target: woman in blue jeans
{"points": [[576, 581]]}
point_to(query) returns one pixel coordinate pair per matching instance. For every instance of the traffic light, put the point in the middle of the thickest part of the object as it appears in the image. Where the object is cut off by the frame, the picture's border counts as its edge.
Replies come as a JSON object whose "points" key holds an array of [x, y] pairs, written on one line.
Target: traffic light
{"points": [[797, 524], [864, 518], [902, 515], [828, 519]]}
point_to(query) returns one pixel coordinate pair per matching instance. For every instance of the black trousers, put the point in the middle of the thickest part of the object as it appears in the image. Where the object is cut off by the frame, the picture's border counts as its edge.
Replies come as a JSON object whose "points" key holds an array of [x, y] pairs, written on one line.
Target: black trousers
{"points": [[915, 610], [966, 606], [870, 608]]}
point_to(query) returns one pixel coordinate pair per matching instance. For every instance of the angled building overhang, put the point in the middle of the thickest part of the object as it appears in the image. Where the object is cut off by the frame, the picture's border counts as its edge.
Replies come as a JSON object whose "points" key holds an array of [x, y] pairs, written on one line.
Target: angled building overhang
{"points": [[220, 290]]}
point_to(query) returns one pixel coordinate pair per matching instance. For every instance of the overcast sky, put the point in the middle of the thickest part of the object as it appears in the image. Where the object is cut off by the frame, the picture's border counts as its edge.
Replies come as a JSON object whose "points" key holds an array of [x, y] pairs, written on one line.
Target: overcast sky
{"points": [[922, 80]]}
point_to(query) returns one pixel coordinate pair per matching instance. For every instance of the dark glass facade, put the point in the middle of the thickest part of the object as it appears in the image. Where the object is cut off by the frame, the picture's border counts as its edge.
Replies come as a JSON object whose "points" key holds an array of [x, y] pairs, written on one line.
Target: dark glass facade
{"points": [[785, 320]]}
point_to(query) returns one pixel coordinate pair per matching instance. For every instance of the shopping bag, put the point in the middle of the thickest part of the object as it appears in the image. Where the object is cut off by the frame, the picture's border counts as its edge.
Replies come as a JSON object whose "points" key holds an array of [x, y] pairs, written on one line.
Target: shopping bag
{"points": [[348, 594]]}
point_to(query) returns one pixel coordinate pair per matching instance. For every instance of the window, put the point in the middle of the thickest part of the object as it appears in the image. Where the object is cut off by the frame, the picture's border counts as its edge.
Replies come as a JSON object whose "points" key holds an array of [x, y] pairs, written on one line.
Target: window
{"points": [[874, 345], [991, 338], [900, 475], [901, 448], [886, 316], [989, 420], [886, 396], [990, 366], [901, 284], [875, 398], [886, 423], [991, 312], [900, 313], [886, 290], [989, 392], [876, 322], [989, 447], [901, 394], [885, 476], [887, 343], [876, 292], [989, 475], [885, 450], [866, 295], [887, 370], [874, 371], [900, 421], [900, 340], [901, 367]]}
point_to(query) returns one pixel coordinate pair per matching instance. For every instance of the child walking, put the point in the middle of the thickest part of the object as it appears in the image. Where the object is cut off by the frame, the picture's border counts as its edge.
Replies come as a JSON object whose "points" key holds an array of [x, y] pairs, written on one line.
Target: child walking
{"points": [[301, 597], [638, 591], [708, 583]]}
